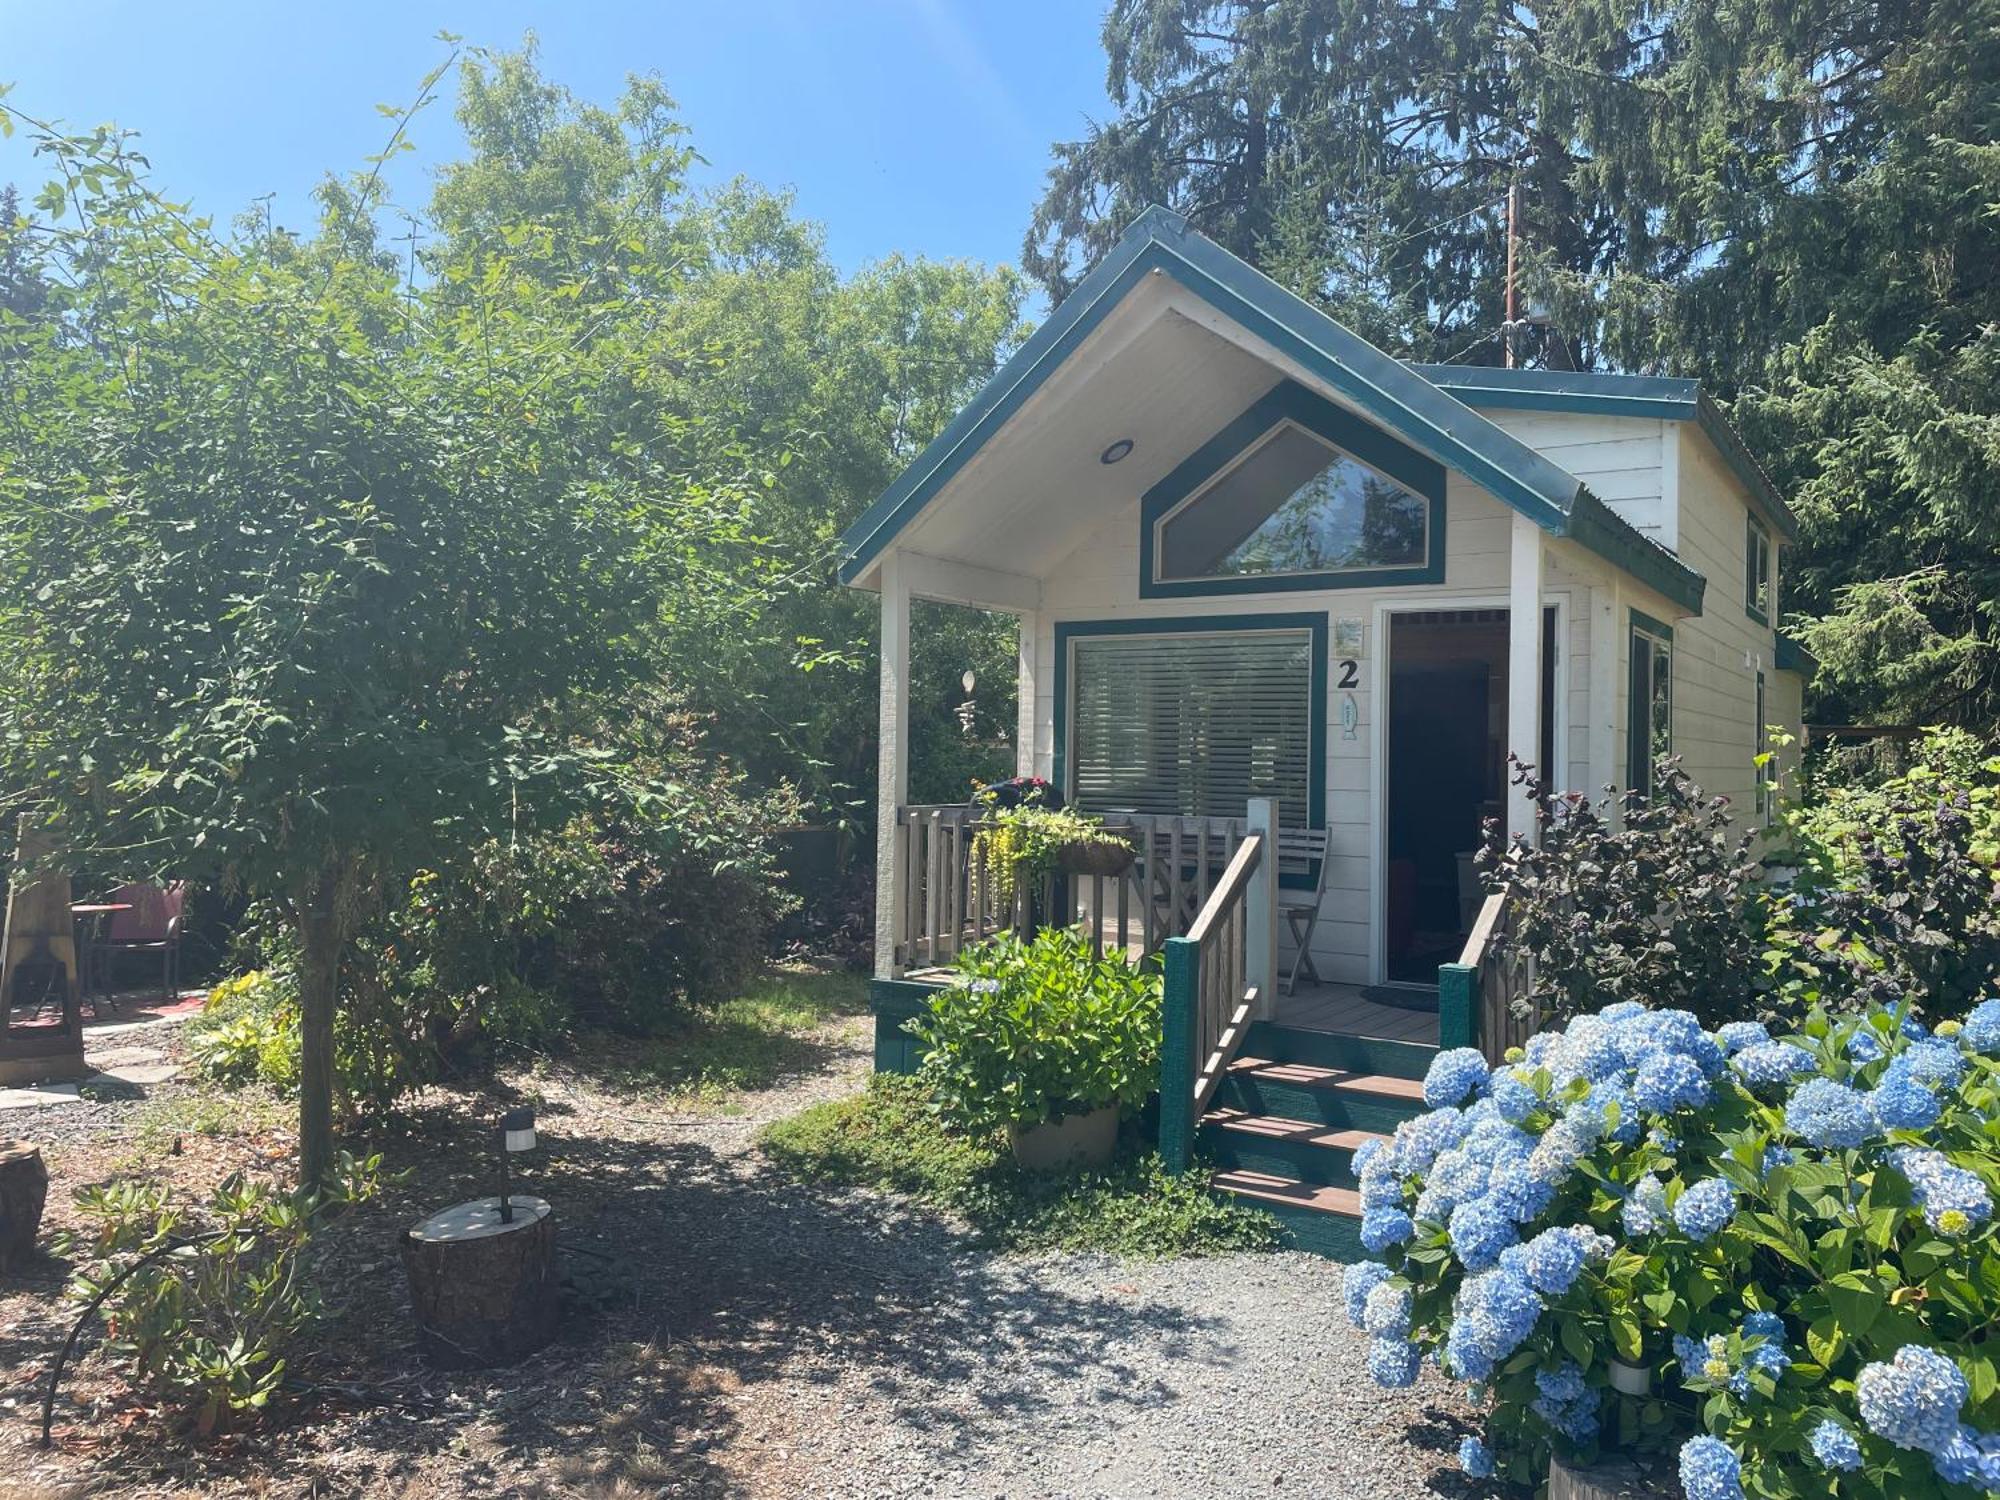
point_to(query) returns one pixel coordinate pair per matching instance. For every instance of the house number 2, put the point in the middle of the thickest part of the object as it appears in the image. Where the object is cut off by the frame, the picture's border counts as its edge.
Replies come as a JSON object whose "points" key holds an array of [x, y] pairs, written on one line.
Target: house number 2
{"points": [[1350, 673]]}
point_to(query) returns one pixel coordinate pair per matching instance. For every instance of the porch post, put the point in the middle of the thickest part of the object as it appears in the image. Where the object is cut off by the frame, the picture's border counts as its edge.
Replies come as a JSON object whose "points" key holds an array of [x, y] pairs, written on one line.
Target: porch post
{"points": [[892, 771], [1027, 719], [1260, 910], [1524, 652]]}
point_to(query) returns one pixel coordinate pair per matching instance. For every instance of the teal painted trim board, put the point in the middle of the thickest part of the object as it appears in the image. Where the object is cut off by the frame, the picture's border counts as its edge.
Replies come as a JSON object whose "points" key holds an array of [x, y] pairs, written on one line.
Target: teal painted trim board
{"points": [[1290, 401], [1458, 1006], [1792, 657], [1178, 997]]}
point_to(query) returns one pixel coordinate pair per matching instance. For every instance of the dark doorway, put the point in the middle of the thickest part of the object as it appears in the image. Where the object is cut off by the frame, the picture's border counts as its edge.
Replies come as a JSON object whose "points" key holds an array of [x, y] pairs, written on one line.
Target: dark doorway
{"points": [[1446, 774]]}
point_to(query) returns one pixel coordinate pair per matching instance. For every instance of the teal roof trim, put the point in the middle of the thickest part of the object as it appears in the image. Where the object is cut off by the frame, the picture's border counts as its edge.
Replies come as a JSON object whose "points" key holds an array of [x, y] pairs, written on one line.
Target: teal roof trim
{"points": [[1658, 397], [1402, 400], [1595, 525], [1792, 657]]}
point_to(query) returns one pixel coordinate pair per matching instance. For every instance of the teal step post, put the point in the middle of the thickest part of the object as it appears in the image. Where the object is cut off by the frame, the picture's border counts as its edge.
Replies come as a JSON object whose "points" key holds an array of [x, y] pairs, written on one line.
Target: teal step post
{"points": [[1180, 995], [1458, 1005]]}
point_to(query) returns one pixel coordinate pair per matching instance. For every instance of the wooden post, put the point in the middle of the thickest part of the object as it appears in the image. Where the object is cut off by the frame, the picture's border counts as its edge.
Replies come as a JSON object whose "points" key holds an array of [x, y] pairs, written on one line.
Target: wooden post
{"points": [[484, 1292], [1179, 1015], [1524, 650], [24, 1189], [1027, 711], [1458, 1005], [892, 770], [1606, 659], [1260, 910], [1611, 1478]]}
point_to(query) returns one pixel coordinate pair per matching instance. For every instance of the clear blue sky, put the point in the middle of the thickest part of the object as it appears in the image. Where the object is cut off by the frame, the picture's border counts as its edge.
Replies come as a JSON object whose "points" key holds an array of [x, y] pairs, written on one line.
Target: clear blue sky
{"points": [[919, 126]]}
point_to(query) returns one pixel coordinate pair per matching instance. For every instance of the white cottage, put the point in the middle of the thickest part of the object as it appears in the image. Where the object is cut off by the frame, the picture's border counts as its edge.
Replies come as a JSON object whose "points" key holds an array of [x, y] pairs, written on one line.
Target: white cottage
{"points": [[1254, 557]]}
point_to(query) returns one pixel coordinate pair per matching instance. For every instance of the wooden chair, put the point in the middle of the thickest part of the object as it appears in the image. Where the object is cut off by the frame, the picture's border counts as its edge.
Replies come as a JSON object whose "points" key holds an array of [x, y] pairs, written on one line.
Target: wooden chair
{"points": [[153, 925], [1302, 851]]}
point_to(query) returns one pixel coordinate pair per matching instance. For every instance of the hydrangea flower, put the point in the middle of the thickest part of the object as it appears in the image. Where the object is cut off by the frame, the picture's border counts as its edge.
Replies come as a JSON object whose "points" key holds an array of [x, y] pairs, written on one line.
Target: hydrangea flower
{"points": [[1383, 1227], [1386, 1313], [1829, 1115], [1835, 1447], [1710, 1470], [1566, 1402], [1479, 1232], [1738, 1035], [1587, 1049], [1864, 1046], [1513, 1095], [1365, 1153], [1899, 1102], [1357, 1281], [1380, 1186], [1561, 1147], [1967, 1458], [1702, 1359], [1553, 1259], [1769, 1357], [1933, 1062], [1476, 1459], [1703, 1210], [1667, 1081], [1453, 1075], [1914, 1399], [1953, 1200], [1645, 1206], [1494, 1312], [1394, 1363], [1912, 1029], [1421, 1141], [1981, 1031], [1775, 1156], [1769, 1063]]}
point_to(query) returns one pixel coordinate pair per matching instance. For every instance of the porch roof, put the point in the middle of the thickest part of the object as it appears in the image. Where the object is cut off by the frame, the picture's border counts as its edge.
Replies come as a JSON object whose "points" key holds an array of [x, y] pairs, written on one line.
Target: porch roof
{"points": [[1252, 327]]}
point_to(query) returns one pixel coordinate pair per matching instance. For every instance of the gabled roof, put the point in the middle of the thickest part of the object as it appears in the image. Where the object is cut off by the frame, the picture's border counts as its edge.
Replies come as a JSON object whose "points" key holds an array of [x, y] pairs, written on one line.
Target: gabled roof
{"points": [[1398, 396], [1655, 396]]}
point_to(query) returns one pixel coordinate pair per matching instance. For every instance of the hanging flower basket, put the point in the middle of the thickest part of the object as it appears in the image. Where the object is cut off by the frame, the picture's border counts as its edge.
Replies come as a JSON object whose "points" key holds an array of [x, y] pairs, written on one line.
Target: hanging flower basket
{"points": [[1094, 857]]}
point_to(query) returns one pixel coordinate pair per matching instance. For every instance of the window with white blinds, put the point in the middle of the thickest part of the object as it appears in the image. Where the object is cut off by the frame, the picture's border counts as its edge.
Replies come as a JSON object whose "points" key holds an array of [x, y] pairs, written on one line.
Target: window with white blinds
{"points": [[1192, 725]]}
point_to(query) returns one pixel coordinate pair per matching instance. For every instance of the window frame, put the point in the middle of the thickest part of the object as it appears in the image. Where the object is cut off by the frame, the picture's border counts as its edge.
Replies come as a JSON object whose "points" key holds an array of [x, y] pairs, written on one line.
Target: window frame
{"points": [[1766, 773], [1760, 572], [1289, 403], [1068, 632], [1656, 636]]}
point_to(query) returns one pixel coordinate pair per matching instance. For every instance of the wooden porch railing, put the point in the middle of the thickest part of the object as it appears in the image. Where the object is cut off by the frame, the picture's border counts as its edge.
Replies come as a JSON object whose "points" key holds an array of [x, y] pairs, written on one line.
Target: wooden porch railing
{"points": [[1476, 995], [945, 903], [1208, 1003]]}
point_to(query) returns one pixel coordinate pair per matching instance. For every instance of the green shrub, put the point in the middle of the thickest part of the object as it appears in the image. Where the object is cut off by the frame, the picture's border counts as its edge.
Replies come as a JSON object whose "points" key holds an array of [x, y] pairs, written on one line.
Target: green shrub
{"points": [[1033, 1031], [888, 1139], [248, 1031], [218, 1301], [1894, 897], [1025, 843], [1660, 904], [1793, 1240]]}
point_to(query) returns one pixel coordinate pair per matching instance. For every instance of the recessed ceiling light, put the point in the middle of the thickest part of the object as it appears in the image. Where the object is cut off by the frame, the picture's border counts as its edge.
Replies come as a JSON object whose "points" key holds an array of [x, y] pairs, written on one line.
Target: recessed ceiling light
{"points": [[1115, 452]]}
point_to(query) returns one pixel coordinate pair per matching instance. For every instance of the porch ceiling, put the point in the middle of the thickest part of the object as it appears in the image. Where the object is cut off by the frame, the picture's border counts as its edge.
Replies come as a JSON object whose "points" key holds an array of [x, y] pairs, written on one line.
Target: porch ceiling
{"points": [[1148, 374]]}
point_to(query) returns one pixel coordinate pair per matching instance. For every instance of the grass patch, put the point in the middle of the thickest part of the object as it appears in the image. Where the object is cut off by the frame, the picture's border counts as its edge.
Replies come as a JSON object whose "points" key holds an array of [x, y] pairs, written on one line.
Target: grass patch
{"points": [[204, 1112], [888, 1138], [748, 1043]]}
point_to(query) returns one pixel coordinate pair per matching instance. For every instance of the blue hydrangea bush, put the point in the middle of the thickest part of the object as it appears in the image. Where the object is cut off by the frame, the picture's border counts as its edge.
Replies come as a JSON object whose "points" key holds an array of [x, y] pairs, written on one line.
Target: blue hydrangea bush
{"points": [[1787, 1244]]}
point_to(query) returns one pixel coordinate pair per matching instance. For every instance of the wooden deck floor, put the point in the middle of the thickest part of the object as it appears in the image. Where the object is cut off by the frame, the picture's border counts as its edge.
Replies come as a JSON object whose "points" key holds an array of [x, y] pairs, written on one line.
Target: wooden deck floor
{"points": [[1341, 1008]]}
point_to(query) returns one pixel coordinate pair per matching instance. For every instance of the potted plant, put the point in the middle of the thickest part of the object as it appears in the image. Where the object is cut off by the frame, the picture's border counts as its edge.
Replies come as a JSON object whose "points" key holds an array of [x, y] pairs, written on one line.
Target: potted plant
{"points": [[1045, 1040], [1019, 845]]}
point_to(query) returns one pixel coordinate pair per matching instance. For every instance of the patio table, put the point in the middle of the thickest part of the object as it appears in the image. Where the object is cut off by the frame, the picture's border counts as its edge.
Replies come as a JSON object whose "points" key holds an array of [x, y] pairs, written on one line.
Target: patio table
{"points": [[88, 915]]}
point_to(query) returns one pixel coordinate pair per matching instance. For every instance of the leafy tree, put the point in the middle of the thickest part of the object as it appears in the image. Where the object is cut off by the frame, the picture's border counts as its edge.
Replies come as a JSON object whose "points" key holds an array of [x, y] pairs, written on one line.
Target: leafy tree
{"points": [[309, 579], [1799, 204]]}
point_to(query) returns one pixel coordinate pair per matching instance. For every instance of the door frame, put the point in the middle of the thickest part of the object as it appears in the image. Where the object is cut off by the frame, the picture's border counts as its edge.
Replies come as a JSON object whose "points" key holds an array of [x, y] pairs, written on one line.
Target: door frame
{"points": [[1378, 741]]}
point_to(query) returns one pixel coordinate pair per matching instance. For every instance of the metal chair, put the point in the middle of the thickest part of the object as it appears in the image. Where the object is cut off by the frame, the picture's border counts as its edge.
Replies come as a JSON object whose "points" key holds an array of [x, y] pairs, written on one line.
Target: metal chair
{"points": [[1302, 851], [153, 925]]}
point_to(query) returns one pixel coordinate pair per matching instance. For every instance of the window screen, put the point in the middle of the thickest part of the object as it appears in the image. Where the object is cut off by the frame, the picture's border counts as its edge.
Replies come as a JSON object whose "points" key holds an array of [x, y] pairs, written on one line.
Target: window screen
{"points": [[1192, 725], [1756, 569]]}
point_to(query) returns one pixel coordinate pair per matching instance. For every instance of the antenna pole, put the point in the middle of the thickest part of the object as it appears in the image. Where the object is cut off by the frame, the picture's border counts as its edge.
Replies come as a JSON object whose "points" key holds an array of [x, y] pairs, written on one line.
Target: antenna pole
{"points": [[1511, 326]]}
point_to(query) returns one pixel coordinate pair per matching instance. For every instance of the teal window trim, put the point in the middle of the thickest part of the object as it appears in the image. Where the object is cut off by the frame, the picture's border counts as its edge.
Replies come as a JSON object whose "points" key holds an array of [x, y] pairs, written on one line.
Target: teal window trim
{"points": [[1289, 401], [1314, 623], [1639, 705]]}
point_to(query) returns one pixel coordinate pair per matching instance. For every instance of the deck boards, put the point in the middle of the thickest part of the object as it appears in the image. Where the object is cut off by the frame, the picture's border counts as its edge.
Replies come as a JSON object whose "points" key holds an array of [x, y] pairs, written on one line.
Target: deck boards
{"points": [[1339, 1007]]}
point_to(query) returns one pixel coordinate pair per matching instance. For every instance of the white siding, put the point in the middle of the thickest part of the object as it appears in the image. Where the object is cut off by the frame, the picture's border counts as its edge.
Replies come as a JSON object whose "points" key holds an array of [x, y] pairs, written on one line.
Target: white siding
{"points": [[1620, 458]]}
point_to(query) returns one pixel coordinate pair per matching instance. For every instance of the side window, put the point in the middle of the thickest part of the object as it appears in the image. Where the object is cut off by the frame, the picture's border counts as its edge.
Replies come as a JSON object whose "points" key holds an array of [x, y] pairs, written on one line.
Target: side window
{"points": [[1650, 729], [1758, 571], [1767, 769]]}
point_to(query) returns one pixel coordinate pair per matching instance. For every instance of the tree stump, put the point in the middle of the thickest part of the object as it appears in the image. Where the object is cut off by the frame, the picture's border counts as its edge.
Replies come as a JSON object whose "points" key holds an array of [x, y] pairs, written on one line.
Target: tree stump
{"points": [[24, 1188], [484, 1292], [1613, 1478]]}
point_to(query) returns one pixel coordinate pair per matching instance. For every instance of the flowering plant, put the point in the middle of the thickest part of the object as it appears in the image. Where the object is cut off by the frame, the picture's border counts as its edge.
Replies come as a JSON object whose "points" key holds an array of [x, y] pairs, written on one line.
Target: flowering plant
{"points": [[1793, 1237]]}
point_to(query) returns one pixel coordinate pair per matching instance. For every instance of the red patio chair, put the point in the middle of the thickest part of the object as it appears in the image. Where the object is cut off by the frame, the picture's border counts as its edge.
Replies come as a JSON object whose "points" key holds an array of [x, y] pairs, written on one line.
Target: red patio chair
{"points": [[153, 925]]}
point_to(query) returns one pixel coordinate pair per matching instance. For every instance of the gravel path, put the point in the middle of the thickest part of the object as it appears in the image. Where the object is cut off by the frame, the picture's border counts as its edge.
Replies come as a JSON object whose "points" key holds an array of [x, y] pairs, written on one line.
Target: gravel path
{"points": [[733, 1334]]}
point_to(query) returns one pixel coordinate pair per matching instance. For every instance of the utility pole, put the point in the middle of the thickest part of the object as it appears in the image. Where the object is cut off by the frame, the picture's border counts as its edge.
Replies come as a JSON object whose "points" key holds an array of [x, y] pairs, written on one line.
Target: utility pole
{"points": [[1510, 330]]}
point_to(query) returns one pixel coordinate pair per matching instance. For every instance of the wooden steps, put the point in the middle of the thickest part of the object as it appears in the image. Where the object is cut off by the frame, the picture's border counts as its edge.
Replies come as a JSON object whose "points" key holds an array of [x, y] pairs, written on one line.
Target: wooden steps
{"points": [[1284, 1128]]}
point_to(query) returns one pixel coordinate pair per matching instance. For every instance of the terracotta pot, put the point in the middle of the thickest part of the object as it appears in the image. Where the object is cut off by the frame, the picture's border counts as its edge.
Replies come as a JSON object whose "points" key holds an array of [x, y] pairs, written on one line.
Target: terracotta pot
{"points": [[1085, 1140], [1090, 857]]}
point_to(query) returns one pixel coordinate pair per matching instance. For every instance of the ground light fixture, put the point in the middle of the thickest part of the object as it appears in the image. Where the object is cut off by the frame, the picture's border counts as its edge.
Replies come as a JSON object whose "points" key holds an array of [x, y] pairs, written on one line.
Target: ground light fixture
{"points": [[517, 1133]]}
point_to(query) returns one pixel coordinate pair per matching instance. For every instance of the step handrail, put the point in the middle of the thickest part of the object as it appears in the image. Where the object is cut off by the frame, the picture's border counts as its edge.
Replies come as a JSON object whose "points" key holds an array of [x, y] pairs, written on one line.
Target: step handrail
{"points": [[1207, 1003], [1477, 995]]}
